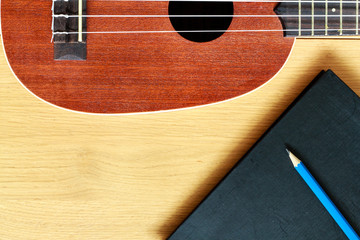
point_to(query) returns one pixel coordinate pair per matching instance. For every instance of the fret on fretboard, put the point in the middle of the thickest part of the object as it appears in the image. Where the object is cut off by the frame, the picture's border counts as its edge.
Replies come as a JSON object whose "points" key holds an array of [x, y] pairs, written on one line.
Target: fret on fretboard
{"points": [[319, 17]]}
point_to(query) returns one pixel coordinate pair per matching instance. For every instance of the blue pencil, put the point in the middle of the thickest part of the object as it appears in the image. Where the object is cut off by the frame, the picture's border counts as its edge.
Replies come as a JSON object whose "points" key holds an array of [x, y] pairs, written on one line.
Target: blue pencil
{"points": [[323, 197]]}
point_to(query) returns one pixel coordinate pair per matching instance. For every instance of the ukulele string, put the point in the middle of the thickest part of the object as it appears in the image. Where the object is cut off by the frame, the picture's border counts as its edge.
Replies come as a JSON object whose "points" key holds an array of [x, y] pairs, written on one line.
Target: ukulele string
{"points": [[195, 16], [205, 31], [244, 1], [202, 31]]}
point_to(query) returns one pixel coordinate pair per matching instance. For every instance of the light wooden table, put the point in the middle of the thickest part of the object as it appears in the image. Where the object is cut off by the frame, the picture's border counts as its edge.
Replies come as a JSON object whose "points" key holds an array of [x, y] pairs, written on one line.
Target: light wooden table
{"points": [[66, 175]]}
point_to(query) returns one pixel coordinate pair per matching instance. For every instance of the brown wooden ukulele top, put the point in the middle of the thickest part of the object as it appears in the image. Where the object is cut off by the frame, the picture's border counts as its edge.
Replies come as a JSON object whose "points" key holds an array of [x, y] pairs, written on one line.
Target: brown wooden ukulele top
{"points": [[141, 72]]}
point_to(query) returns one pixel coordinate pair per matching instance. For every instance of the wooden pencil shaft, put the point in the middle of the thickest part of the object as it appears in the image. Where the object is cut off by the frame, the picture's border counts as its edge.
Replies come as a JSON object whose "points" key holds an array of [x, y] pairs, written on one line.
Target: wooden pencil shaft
{"points": [[323, 197]]}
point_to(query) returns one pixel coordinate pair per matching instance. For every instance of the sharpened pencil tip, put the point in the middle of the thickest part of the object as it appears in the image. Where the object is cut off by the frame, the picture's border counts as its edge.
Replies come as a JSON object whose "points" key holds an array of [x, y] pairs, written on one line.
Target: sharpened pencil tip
{"points": [[295, 161]]}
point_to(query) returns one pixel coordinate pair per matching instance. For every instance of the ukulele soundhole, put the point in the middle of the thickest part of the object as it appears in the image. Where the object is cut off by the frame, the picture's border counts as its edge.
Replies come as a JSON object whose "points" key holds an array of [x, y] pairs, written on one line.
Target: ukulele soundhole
{"points": [[204, 27]]}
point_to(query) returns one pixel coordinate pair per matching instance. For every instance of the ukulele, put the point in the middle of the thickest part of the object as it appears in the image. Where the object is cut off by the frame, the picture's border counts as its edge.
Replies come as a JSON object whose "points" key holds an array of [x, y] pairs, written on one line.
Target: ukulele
{"points": [[129, 56]]}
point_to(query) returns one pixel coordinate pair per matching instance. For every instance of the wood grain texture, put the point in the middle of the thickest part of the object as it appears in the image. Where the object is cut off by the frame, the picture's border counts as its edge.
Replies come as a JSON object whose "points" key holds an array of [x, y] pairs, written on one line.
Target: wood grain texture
{"points": [[141, 72], [65, 175]]}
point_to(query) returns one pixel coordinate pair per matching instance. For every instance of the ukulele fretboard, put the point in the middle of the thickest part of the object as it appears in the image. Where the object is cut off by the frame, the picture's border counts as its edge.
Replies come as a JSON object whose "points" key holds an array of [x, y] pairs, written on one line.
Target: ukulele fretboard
{"points": [[319, 17]]}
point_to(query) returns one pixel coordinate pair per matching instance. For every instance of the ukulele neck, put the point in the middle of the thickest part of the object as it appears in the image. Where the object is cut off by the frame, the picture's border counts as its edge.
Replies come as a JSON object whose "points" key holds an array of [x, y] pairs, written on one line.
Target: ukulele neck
{"points": [[319, 18]]}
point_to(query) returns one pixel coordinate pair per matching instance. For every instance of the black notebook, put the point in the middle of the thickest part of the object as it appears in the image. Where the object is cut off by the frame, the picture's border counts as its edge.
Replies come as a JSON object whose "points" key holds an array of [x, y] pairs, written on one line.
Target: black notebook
{"points": [[263, 197]]}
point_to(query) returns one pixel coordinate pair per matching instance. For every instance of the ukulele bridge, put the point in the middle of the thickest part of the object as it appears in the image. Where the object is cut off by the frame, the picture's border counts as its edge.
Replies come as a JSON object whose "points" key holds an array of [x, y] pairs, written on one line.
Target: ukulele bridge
{"points": [[69, 29]]}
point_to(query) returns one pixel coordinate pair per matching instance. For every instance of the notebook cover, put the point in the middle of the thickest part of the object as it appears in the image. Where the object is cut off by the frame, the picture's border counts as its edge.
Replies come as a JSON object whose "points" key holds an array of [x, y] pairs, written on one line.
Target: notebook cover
{"points": [[263, 197]]}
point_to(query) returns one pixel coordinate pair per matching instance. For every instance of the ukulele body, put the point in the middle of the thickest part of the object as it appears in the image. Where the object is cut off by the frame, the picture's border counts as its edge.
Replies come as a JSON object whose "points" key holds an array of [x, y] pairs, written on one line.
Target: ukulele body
{"points": [[141, 72]]}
